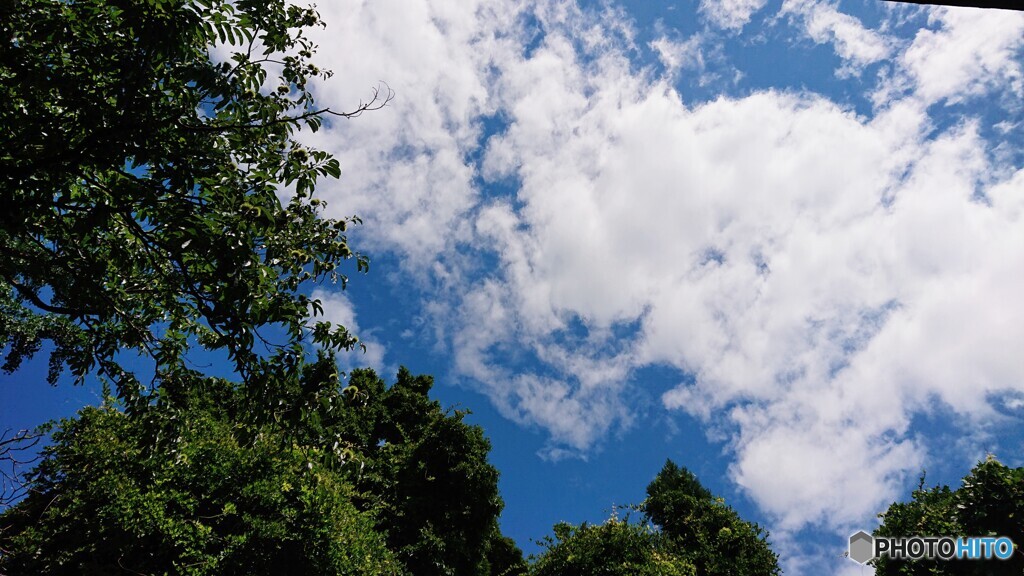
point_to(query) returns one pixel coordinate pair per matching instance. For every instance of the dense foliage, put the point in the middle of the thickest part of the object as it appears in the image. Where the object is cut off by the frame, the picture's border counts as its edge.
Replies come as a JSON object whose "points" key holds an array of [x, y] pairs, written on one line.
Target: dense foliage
{"points": [[989, 502], [186, 491], [615, 548], [426, 471], [704, 530], [362, 479], [687, 531], [142, 184]]}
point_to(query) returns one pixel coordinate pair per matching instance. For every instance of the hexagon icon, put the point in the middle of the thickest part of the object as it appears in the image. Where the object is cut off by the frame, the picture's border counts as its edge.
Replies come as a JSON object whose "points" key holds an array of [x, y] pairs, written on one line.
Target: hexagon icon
{"points": [[862, 547]]}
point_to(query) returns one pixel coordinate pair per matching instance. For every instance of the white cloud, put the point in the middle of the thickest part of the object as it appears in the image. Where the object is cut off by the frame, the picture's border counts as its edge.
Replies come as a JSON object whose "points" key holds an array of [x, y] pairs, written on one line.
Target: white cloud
{"points": [[970, 53], [812, 459], [679, 55], [823, 276], [405, 170], [799, 260], [824, 23], [623, 210], [730, 14]]}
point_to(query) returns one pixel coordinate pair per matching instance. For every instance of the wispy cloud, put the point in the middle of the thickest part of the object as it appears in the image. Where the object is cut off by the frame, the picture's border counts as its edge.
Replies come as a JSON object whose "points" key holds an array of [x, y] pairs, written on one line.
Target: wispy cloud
{"points": [[730, 14], [680, 55], [857, 45]]}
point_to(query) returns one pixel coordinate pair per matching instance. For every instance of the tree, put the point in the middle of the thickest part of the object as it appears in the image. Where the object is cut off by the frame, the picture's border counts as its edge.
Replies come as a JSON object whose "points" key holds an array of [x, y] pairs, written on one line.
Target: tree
{"points": [[181, 488], [615, 548], [686, 531], [158, 200], [505, 558], [989, 502], [154, 195], [345, 478], [426, 473], [703, 529]]}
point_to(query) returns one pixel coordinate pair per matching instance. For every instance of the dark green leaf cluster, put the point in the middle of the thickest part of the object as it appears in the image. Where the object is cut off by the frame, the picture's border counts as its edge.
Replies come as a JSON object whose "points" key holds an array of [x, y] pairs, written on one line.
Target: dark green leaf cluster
{"points": [[154, 196], [426, 473], [705, 530], [989, 502]]}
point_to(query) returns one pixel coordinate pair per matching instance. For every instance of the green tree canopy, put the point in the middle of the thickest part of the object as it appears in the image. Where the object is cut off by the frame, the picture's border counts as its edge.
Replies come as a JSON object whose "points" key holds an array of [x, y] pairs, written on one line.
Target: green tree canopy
{"points": [[989, 502], [705, 530], [155, 196], [505, 558], [347, 478], [687, 531], [180, 488], [615, 548], [426, 471]]}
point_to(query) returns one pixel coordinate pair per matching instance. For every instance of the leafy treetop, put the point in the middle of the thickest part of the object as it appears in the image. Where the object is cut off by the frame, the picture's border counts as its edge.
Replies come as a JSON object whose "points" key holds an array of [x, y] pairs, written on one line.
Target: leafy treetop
{"points": [[144, 186], [426, 471], [687, 531], [705, 530], [615, 548], [180, 487], [358, 478], [989, 502]]}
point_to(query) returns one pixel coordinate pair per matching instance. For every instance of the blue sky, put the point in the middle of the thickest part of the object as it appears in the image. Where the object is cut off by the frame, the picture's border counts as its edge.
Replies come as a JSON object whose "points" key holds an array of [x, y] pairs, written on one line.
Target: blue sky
{"points": [[780, 242]]}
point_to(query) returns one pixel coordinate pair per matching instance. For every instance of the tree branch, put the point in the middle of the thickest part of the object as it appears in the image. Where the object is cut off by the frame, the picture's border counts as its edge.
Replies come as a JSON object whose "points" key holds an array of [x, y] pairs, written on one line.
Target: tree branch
{"points": [[375, 103], [38, 302]]}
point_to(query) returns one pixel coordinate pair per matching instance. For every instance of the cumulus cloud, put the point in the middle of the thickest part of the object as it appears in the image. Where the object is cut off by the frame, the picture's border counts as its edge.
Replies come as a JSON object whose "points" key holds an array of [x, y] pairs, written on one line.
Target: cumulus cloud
{"points": [[405, 170], [798, 260], [747, 238], [818, 276], [966, 52], [773, 246]]}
